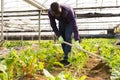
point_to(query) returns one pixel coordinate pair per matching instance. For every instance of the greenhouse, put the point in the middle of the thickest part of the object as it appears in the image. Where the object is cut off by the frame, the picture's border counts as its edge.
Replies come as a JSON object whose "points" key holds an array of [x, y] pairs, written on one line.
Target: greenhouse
{"points": [[59, 40]]}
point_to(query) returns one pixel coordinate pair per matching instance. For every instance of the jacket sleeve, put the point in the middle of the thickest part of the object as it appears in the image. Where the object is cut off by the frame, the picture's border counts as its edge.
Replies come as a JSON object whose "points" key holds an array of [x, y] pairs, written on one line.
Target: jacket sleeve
{"points": [[71, 17], [53, 24]]}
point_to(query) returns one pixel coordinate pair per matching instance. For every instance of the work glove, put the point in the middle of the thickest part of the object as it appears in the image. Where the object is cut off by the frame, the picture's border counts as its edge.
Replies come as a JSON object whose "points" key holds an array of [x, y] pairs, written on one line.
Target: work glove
{"points": [[77, 44], [60, 39]]}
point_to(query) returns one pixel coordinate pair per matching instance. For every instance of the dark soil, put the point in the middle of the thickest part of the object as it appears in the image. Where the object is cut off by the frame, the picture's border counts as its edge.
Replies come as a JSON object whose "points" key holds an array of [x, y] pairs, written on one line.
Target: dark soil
{"points": [[95, 73]]}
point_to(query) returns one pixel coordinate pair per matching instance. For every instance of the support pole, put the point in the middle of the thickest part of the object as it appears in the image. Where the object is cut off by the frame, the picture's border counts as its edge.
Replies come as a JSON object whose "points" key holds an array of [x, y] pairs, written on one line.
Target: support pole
{"points": [[2, 4], [76, 3], [39, 35]]}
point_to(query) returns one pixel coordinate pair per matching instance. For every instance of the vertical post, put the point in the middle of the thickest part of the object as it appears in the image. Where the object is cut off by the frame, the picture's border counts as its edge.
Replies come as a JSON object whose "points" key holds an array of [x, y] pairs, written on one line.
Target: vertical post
{"points": [[2, 37], [6, 34], [39, 35], [116, 2], [102, 3], [76, 3], [22, 38]]}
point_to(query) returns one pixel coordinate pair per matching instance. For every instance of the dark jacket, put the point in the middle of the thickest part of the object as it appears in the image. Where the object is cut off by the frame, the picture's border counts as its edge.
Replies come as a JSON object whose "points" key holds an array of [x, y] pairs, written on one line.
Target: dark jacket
{"points": [[67, 17]]}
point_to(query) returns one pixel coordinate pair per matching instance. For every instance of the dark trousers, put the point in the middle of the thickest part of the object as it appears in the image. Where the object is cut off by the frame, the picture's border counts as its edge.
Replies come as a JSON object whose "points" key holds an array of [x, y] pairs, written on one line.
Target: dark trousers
{"points": [[66, 32]]}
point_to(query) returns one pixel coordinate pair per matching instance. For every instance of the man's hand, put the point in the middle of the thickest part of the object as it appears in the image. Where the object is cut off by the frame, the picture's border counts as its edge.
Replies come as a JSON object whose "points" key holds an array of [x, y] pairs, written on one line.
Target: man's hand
{"points": [[60, 39], [77, 43]]}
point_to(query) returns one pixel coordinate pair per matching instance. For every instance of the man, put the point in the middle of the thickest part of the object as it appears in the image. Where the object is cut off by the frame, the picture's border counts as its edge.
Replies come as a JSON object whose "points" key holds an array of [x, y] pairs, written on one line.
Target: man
{"points": [[67, 24]]}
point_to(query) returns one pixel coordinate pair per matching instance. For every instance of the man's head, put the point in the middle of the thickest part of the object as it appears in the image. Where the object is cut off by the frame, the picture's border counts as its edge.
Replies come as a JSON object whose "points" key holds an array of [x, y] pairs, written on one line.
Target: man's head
{"points": [[56, 9]]}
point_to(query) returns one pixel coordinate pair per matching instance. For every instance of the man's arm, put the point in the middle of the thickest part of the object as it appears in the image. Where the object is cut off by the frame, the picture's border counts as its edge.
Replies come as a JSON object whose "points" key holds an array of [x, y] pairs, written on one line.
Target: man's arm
{"points": [[53, 24], [71, 18]]}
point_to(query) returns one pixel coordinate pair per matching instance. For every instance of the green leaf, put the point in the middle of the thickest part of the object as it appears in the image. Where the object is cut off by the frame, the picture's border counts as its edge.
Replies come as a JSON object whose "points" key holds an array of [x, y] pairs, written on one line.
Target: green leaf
{"points": [[41, 65], [59, 64], [3, 74], [2, 67], [83, 77]]}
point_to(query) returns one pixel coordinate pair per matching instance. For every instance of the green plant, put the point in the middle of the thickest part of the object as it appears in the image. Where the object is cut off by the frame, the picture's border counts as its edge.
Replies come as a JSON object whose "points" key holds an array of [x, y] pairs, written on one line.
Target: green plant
{"points": [[63, 75], [3, 74], [50, 54], [11, 63], [24, 64], [30, 62], [10, 44]]}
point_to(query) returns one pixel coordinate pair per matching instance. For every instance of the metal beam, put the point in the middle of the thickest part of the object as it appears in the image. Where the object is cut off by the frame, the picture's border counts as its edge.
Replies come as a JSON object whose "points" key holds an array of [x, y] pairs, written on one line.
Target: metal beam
{"points": [[99, 7], [23, 15], [23, 11], [91, 15], [2, 24], [35, 4], [39, 30]]}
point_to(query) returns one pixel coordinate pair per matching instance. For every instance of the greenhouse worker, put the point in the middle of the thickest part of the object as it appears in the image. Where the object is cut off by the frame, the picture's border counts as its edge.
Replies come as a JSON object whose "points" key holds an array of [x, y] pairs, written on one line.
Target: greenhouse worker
{"points": [[67, 24]]}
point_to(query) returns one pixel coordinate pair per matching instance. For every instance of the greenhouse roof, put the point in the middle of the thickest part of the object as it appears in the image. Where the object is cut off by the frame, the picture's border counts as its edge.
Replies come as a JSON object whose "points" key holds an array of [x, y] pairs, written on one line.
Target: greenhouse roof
{"points": [[22, 15], [15, 5]]}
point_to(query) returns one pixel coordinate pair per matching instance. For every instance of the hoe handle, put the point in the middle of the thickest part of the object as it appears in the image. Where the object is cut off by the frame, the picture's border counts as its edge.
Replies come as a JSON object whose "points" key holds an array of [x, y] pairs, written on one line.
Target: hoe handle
{"points": [[80, 48]]}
